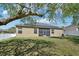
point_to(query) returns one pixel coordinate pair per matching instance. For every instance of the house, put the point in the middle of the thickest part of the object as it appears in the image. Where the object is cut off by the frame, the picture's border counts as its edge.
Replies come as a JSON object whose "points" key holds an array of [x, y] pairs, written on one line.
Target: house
{"points": [[71, 30], [38, 30]]}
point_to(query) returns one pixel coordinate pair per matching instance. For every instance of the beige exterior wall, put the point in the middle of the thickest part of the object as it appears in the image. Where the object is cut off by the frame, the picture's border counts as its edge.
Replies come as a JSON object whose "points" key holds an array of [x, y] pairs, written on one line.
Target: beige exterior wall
{"points": [[57, 33], [26, 32], [29, 32]]}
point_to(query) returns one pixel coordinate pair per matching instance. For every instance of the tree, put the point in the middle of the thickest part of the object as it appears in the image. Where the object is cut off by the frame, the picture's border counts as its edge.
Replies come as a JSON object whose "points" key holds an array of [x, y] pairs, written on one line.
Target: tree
{"points": [[21, 11], [18, 11]]}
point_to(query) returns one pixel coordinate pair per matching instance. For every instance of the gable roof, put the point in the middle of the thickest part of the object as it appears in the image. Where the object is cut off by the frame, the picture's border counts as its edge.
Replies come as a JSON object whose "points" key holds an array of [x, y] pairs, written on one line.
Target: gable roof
{"points": [[38, 25]]}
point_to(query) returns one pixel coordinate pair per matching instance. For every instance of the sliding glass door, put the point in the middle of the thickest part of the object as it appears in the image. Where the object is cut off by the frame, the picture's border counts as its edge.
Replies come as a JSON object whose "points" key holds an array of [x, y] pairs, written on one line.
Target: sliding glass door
{"points": [[44, 31]]}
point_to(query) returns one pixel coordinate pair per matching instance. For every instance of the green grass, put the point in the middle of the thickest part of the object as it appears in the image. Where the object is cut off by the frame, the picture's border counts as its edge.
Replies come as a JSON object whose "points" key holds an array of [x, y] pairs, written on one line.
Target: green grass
{"points": [[40, 46], [75, 39]]}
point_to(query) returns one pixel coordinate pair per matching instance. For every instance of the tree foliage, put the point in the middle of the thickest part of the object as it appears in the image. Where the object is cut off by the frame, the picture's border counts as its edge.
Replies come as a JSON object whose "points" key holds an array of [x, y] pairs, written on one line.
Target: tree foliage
{"points": [[68, 9], [71, 9]]}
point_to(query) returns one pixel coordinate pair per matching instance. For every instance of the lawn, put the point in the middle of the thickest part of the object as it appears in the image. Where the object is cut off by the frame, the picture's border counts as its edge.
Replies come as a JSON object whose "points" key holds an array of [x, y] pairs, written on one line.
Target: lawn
{"points": [[40, 46]]}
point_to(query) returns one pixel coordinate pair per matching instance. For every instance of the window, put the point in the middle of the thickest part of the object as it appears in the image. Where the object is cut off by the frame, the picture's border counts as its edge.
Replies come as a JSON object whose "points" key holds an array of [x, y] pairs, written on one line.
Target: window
{"points": [[35, 30], [20, 30], [52, 31]]}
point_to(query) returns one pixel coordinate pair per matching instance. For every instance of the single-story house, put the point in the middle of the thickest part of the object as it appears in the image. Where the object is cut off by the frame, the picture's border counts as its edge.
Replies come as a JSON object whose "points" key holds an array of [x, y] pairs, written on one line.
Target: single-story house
{"points": [[38, 30], [71, 30]]}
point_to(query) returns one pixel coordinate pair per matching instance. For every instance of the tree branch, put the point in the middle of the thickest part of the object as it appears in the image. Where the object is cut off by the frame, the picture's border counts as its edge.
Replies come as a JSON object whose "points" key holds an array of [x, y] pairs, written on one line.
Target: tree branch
{"points": [[18, 16]]}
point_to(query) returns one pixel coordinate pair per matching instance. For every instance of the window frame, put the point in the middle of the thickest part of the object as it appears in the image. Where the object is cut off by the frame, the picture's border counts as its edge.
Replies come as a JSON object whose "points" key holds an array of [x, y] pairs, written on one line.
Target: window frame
{"points": [[35, 30], [52, 31], [19, 30]]}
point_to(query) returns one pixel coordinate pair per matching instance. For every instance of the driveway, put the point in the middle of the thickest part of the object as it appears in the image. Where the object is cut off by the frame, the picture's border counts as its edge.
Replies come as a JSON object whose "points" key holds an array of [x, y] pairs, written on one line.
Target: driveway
{"points": [[7, 35]]}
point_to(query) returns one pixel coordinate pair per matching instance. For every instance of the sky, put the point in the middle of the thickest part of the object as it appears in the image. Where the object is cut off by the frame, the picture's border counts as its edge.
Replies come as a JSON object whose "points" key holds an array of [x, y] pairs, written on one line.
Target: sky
{"points": [[58, 22]]}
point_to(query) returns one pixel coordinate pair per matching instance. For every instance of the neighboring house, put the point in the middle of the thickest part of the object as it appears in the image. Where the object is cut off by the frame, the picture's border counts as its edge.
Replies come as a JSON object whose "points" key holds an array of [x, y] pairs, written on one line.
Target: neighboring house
{"points": [[38, 30], [71, 30], [10, 30]]}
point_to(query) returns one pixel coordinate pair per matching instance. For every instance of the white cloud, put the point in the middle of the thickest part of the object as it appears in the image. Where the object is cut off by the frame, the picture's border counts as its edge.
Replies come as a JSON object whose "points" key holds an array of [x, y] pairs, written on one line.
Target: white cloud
{"points": [[5, 12]]}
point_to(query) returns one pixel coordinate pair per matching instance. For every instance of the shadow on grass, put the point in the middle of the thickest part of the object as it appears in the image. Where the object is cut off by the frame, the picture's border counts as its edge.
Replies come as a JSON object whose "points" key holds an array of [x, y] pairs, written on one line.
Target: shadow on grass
{"points": [[57, 37], [23, 47]]}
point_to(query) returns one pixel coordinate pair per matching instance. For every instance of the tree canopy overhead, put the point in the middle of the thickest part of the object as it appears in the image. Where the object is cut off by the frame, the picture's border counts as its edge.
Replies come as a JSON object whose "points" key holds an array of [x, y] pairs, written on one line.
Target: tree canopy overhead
{"points": [[27, 10]]}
